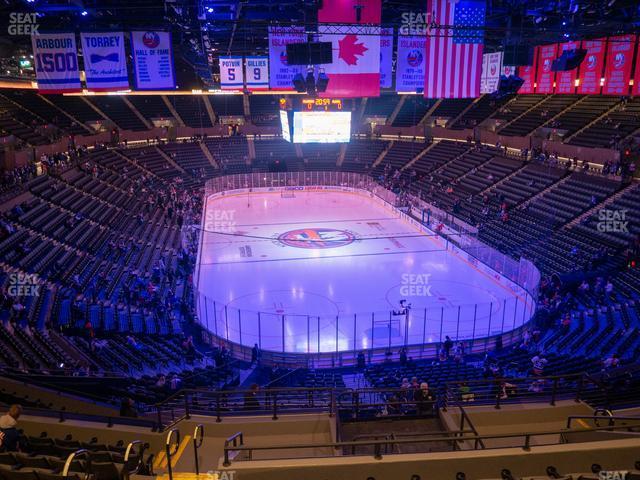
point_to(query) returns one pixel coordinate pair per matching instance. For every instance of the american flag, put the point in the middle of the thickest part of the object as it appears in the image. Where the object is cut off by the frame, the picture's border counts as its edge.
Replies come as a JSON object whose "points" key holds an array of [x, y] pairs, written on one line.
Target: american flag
{"points": [[454, 48]]}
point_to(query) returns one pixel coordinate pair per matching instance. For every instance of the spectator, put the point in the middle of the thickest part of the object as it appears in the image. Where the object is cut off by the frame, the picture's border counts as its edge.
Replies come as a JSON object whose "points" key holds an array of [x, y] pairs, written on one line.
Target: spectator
{"points": [[251, 401], [448, 345], [612, 362], [127, 408], [539, 363], [255, 354], [8, 428], [424, 399]]}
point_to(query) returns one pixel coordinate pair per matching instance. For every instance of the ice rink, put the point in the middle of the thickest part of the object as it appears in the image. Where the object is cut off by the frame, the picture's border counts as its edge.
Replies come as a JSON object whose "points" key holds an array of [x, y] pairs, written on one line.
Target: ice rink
{"points": [[325, 271]]}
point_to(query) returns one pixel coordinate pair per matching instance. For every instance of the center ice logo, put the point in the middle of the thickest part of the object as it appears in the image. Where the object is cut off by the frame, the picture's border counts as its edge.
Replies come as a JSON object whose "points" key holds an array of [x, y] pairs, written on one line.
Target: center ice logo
{"points": [[316, 238]]}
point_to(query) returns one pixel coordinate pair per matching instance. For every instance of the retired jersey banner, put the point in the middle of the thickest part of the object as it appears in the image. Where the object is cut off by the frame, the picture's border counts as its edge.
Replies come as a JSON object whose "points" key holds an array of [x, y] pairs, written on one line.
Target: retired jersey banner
{"points": [[491, 70], [410, 64], [56, 62], [153, 60], [566, 79], [231, 73], [617, 72], [546, 55], [386, 57], [257, 72], [592, 66], [280, 72], [105, 63]]}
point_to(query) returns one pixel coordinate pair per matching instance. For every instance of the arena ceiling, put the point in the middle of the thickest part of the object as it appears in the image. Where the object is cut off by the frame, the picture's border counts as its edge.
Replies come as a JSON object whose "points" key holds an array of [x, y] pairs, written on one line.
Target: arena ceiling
{"points": [[204, 29]]}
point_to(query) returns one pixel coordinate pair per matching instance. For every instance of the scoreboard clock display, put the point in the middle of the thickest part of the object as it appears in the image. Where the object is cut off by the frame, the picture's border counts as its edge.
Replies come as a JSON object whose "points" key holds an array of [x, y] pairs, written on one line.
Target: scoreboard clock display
{"points": [[311, 104], [322, 104]]}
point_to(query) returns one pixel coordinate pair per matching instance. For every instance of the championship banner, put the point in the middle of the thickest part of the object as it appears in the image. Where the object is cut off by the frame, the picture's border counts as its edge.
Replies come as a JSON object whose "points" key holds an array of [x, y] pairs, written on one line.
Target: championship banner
{"points": [[386, 57], [491, 72], [617, 72], [528, 75], [566, 79], [636, 83], [592, 66], [483, 76], [280, 73], [546, 55], [105, 63], [257, 70], [231, 73], [410, 65], [153, 60], [509, 70], [56, 62]]}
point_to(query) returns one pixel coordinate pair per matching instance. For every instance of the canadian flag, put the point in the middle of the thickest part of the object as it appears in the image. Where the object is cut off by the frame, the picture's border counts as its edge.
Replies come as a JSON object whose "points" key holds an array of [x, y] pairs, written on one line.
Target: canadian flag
{"points": [[355, 71]]}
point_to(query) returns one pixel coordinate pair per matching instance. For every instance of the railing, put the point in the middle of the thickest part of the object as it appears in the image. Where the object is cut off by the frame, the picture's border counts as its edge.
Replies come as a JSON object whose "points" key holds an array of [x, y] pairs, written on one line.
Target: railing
{"points": [[198, 438], [480, 326], [358, 403], [171, 450], [230, 445], [500, 391], [610, 419], [454, 441]]}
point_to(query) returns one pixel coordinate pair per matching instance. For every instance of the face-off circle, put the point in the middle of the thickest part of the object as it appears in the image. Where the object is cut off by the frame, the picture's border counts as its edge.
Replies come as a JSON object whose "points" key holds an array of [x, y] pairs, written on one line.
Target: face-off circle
{"points": [[316, 238]]}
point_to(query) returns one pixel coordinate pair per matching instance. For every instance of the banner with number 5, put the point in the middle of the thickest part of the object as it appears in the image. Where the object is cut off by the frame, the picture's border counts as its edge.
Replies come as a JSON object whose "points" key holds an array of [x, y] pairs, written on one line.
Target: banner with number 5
{"points": [[257, 73], [231, 73]]}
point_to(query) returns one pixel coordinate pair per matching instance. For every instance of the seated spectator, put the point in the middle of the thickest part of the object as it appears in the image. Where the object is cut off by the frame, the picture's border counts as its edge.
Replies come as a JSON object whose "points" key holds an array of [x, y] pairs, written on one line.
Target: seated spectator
{"points": [[539, 363], [128, 409], [424, 399], [251, 401], [8, 423], [611, 362]]}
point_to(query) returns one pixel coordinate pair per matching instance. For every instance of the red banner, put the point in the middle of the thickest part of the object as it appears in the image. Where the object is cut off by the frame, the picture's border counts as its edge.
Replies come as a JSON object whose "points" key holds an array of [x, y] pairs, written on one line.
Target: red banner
{"points": [[528, 74], [636, 82], [566, 79], [592, 66], [546, 55], [618, 70]]}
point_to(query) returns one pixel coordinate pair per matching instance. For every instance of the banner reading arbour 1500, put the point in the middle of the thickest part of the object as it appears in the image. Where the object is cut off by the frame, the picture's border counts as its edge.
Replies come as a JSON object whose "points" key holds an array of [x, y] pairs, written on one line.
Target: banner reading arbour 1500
{"points": [[105, 63], [153, 60], [56, 62]]}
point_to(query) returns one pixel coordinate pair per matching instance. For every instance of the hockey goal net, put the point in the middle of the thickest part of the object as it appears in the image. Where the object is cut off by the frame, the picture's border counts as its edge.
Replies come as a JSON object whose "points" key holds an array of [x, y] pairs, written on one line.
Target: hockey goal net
{"points": [[287, 194]]}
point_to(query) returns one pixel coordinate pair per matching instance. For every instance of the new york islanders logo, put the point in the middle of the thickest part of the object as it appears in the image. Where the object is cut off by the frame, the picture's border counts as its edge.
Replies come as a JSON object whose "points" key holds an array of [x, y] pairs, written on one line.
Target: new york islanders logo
{"points": [[592, 61], [618, 60], [316, 238], [283, 58], [414, 58], [151, 40]]}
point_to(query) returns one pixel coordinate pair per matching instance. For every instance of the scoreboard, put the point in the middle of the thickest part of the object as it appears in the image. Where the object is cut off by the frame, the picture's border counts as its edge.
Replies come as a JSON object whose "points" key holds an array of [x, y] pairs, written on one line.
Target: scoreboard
{"points": [[297, 104], [314, 120]]}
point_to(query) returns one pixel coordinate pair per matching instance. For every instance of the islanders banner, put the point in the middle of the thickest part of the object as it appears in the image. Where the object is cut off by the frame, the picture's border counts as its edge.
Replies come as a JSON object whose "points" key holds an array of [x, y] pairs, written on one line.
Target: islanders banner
{"points": [[153, 60]]}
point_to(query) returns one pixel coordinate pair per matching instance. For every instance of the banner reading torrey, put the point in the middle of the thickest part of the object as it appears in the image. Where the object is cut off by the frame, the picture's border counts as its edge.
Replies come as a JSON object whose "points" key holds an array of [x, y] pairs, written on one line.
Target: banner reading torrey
{"points": [[56, 62], [105, 63], [280, 72], [153, 60]]}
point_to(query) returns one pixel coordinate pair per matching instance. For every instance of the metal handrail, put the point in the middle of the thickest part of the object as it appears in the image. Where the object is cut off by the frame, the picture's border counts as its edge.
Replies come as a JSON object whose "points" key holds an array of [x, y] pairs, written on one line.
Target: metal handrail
{"points": [[198, 438], [72, 456], [377, 444], [465, 417], [127, 455], [235, 439], [168, 449], [612, 419]]}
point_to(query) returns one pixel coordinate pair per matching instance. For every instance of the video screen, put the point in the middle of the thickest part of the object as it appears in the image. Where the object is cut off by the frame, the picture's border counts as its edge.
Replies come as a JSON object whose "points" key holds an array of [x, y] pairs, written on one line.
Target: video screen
{"points": [[284, 122], [321, 127]]}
